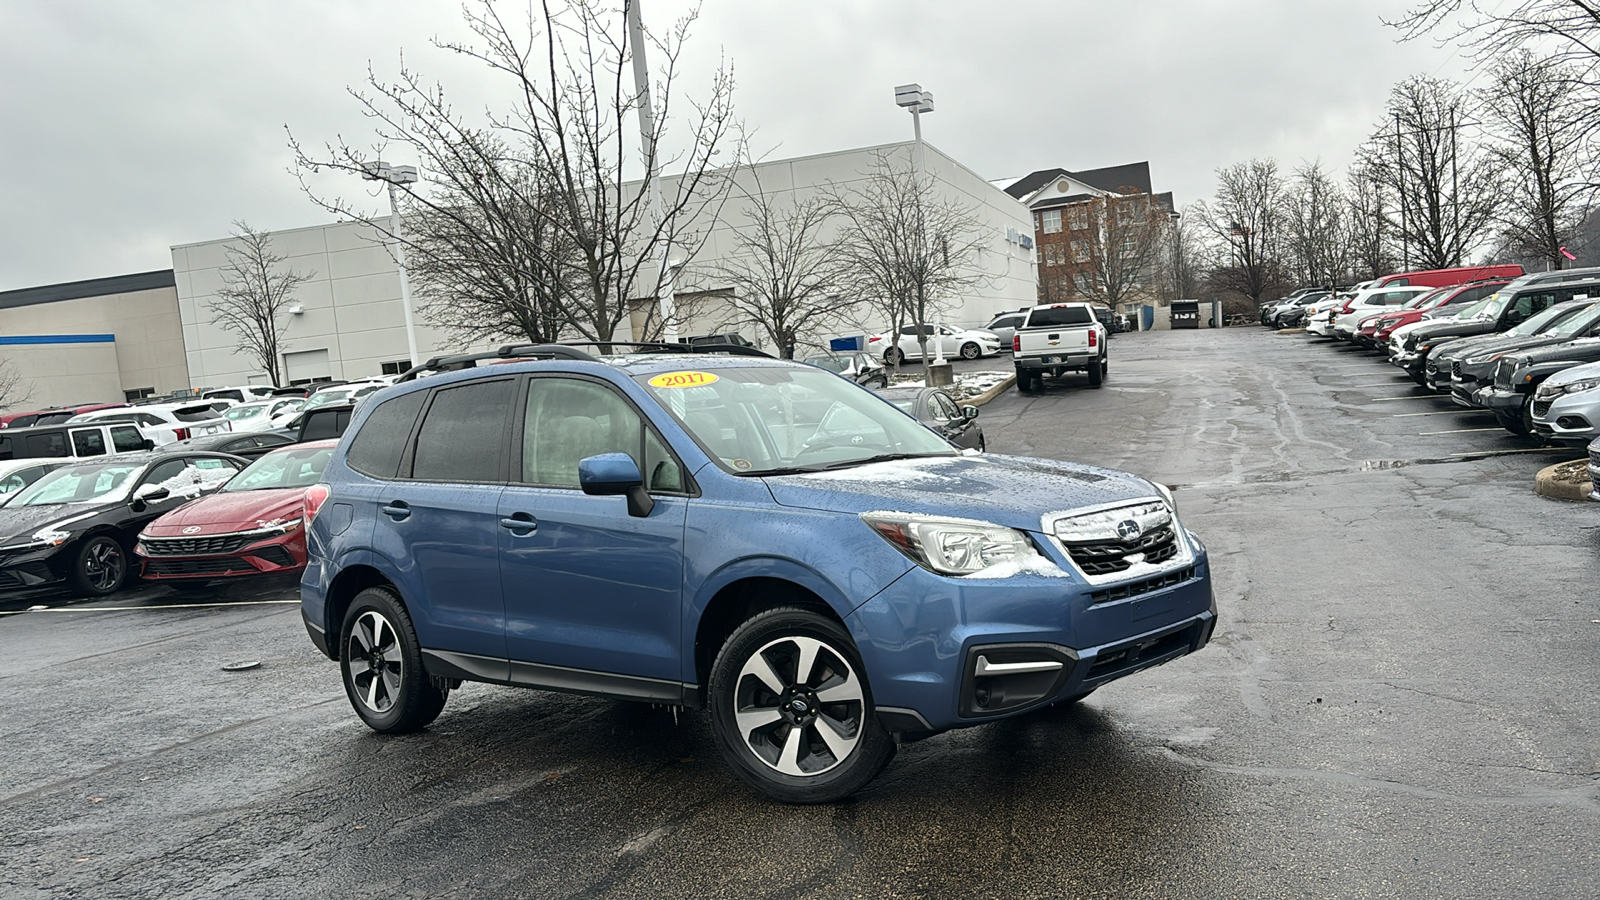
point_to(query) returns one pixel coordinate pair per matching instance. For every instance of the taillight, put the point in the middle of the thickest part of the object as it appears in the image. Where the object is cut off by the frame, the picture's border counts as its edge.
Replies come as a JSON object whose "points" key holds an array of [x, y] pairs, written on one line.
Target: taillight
{"points": [[315, 495], [182, 434], [1093, 341], [874, 339], [1016, 343]]}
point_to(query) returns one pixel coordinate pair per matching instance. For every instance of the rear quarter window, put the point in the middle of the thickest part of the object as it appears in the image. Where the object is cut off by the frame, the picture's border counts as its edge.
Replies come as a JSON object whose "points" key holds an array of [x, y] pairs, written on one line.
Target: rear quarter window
{"points": [[378, 446], [463, 435]]}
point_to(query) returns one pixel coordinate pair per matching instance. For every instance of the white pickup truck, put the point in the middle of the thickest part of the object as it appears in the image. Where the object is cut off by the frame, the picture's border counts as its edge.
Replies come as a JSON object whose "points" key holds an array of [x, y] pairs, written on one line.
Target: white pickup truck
{"points": [[1059, 338]]}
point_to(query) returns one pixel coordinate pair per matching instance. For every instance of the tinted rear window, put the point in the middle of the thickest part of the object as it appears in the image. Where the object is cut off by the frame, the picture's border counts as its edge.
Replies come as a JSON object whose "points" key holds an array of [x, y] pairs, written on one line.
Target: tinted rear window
{"points": [[463, 436], [378, 446], [1060, 315], [195, 413]]}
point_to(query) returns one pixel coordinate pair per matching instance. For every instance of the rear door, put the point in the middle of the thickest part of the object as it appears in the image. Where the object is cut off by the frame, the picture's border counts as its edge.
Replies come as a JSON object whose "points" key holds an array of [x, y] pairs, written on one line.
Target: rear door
{"points": [[439, 521], [588, 586]]}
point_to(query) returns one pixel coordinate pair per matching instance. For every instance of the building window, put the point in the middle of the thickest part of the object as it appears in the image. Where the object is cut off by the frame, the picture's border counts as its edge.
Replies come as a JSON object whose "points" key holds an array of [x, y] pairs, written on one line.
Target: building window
{"points": [[1052, 221], [396, 367], [1055, 255], [1078, 218], [1080, 251], [299, 382], [1084, 282], [138, 394]]}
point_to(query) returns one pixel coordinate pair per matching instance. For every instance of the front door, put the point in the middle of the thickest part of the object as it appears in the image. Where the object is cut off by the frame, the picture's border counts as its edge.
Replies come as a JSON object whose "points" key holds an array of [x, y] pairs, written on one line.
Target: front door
{"points": [[587, 586]]}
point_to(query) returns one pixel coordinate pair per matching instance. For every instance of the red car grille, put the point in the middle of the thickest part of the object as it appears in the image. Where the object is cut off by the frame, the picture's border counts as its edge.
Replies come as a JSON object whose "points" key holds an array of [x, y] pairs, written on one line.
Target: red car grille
{"points": [[202, 546]]}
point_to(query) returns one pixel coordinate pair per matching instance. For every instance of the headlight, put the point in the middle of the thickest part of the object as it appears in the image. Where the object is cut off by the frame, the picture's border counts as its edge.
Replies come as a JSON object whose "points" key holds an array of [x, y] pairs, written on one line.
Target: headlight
{"points": [[1572, 387], [1166, 492], [270, 528], [951, 546], [48, 536]]}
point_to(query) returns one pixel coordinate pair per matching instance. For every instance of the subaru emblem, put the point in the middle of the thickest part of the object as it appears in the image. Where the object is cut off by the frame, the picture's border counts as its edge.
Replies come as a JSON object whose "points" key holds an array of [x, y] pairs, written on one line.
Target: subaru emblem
{"points": [[1128, 529]]}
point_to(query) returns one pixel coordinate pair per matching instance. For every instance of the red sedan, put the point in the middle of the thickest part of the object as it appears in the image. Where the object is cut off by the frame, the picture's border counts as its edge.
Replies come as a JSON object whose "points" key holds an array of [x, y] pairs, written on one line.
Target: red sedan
{"points": [[1451, 296], [251, 527]]}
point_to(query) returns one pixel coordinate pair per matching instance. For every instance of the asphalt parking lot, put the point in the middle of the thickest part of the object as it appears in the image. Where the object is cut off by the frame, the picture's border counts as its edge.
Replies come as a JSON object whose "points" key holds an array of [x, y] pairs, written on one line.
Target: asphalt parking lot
{"points": [[1401, 700]]}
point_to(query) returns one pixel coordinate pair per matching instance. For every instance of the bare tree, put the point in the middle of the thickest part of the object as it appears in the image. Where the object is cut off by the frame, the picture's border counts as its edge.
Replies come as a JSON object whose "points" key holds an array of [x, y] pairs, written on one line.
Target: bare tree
{"points": [[1566, 31], [1538, 113], [1448, 190], [906, 249], [785, 277], [1116, 261], [1245, 219], [1316, 237], [253, 302], [1368, 212], [1181, 258], [584, 236], [14, 391]]}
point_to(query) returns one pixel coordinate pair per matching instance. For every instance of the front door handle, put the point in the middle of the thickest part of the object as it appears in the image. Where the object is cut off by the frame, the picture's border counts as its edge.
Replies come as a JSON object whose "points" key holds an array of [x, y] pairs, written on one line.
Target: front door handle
{"points": [[397, 510], [520, 524]]}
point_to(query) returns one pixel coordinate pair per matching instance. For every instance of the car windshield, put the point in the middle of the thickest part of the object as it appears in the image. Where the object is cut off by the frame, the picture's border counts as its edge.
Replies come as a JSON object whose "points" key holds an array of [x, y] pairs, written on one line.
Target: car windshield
{"points": [[831, 363], [296, 467], [328, 397], [1423, 301], [766, 420], [104, 483], [1481, 308], [247, 411], [1569, 324]]}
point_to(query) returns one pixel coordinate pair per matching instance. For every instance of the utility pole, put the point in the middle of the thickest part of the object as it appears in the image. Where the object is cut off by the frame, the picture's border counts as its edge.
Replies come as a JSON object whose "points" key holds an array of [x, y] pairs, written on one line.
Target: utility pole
{"points": [[647, 138]]}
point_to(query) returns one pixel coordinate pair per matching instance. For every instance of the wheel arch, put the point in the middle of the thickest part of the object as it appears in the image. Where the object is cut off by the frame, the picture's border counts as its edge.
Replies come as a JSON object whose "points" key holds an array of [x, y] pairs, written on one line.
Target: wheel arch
{"points": [[350, 581], [748, 591]]}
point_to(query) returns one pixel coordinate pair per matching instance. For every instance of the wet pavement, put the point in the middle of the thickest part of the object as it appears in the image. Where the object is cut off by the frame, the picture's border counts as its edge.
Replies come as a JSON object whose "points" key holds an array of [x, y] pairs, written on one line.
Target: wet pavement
{"points": [[1401, 700]]}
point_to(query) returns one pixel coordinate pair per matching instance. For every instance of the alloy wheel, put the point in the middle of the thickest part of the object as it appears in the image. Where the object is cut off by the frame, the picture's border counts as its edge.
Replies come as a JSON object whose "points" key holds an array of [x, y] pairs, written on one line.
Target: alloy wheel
{"points": [[103, 565], [374, 661], [799, 706]]}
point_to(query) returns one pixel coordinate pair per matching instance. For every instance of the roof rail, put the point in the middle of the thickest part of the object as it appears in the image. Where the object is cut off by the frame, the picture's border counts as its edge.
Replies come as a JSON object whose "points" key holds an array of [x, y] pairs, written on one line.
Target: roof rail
{"points": [[568, 350], [666, 347]]}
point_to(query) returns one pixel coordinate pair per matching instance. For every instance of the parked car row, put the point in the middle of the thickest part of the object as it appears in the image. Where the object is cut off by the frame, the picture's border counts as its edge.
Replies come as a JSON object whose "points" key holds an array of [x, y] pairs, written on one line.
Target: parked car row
{"points": [[1525, 349]]}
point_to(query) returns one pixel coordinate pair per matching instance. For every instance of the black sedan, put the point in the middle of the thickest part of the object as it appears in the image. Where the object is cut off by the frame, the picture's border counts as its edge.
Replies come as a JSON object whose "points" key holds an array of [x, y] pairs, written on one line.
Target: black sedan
{"points": [[857, 366], [249, 444], [76, 526], [937, 410]]}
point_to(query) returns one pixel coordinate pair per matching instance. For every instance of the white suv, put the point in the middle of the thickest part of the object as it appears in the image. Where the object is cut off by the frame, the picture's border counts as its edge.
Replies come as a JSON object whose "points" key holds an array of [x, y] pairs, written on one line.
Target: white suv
{"points": [[165, 423]]}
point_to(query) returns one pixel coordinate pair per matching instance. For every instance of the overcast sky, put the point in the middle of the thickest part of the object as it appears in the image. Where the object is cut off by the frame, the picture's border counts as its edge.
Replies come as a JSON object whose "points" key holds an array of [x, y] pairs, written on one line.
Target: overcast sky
{"points": [[129, 126]]}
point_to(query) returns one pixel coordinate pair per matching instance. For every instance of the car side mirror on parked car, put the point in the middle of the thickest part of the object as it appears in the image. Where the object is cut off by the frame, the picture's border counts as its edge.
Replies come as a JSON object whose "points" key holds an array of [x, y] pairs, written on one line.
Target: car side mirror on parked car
{"points": [[149, 493], [969, 412], [610, 474]]}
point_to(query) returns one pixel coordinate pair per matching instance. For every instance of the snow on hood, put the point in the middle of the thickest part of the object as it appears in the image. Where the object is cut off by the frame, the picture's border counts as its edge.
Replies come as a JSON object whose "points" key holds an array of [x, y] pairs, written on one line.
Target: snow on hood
{"points": [[1014, 491]]}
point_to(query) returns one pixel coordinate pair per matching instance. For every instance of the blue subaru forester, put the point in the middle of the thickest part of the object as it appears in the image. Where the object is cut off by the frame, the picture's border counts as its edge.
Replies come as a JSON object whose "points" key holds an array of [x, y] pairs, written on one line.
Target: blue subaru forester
{"points": [[753, 536]]}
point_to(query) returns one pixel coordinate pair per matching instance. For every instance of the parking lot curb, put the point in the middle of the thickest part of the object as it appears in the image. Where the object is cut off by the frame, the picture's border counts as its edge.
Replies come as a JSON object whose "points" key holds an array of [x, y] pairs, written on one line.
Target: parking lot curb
{"points": [[993, 392], [1564, 481]]}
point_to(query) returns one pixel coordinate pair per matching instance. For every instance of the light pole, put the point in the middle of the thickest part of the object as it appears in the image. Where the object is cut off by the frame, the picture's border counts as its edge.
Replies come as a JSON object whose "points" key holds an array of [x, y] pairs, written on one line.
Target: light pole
{"points": [[918, 101], [395, 176], [665, 281]]}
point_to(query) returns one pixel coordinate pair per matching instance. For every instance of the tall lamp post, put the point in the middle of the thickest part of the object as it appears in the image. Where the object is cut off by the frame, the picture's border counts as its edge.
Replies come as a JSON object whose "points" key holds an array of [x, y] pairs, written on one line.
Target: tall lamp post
{"points": [[395, 176], [917, 101], [666, 281]]}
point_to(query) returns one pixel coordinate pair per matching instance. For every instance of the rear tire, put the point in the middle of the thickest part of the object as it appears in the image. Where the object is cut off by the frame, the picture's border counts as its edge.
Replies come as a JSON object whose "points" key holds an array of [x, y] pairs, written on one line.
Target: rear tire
{"points": [[382, 665], [792, 711], [1024, 382], [893, 356], [1097, 372]]}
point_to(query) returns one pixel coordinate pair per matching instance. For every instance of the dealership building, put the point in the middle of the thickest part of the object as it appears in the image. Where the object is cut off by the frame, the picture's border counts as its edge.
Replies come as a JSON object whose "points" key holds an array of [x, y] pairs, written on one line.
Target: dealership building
{"points": [[120, 338]]}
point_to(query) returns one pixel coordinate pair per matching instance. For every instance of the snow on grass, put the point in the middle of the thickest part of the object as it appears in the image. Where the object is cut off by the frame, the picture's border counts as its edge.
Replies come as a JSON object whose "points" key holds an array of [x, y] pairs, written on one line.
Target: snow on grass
{"points": [[968, 384]]}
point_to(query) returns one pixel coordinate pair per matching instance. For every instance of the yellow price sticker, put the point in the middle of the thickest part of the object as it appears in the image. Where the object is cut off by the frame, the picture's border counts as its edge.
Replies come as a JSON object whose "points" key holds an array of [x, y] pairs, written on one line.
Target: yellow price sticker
{"points": [[683, 380]]}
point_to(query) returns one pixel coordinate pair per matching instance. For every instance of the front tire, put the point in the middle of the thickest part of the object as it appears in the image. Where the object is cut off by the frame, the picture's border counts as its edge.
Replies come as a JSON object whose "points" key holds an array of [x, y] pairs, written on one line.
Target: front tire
{"points": [[382, 665], [100, 566], [970, 351], [792, 711]]}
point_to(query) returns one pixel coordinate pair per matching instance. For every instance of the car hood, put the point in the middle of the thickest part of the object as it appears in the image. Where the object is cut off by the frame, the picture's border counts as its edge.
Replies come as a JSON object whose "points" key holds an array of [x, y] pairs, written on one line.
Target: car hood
{"points": [[229, 511], [1576, 373], [1426, 329], [1007, 490], [1581, 350], [1502, 345], [21, 521]]}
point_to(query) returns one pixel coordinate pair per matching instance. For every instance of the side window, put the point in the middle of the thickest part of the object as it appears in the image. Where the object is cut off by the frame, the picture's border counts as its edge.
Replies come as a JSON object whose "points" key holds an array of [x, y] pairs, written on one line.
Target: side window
{"points": [[568, 420], [463, 434], [88, 442], [322, 425], [126, 438], [378, 446], [944, 408], [51, 443], [165, 472], [908, 331]]}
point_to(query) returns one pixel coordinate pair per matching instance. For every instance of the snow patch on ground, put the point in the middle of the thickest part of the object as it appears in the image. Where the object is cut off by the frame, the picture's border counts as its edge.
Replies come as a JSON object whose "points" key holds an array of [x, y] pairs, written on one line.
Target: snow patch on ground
{"points": [[967, 386]]}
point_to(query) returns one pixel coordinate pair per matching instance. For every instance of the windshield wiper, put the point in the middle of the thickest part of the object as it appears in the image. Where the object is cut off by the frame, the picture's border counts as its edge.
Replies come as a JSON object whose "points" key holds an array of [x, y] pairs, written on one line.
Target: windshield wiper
{"points": [[882, 457]]}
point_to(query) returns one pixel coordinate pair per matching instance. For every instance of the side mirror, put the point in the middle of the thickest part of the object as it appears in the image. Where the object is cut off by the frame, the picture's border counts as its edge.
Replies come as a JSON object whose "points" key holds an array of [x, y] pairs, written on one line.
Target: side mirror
{"points": [[148, 494], [610, 474], [969, 412]]}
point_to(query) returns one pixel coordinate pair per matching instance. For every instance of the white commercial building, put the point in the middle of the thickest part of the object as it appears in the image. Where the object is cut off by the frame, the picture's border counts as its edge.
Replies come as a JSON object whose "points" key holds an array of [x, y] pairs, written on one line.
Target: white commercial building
{"points": [[350, 322]]}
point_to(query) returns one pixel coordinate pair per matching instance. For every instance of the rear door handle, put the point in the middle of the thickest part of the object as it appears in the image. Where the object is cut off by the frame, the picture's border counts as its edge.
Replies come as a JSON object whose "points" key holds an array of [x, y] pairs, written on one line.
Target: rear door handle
{"points": [[397, 510], [520, 524]]}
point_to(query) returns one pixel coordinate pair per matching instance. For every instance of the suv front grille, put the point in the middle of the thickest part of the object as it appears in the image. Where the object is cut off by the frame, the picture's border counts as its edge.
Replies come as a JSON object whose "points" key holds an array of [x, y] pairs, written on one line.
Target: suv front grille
{"points": [[1455, 368], [202, 546], [1540, 407], [1594, 457], [1135, 588], [1108, 556]]}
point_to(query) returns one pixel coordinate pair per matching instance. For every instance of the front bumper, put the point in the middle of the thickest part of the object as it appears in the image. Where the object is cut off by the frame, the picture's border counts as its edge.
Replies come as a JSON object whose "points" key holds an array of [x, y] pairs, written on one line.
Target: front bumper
{"points": [[1041, 639], [1498, 398], [1570, 418], [282, 554]]}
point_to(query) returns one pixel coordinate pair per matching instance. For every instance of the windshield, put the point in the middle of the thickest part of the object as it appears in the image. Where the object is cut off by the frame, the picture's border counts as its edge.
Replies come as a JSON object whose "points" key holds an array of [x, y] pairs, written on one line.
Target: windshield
{"points": [[328, 397], [831, 363], [297, 467], [1423, 301], [765, 420], [104, 483], [248, 411], [1542, 320], [1473, 310], [1577, 320]]}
